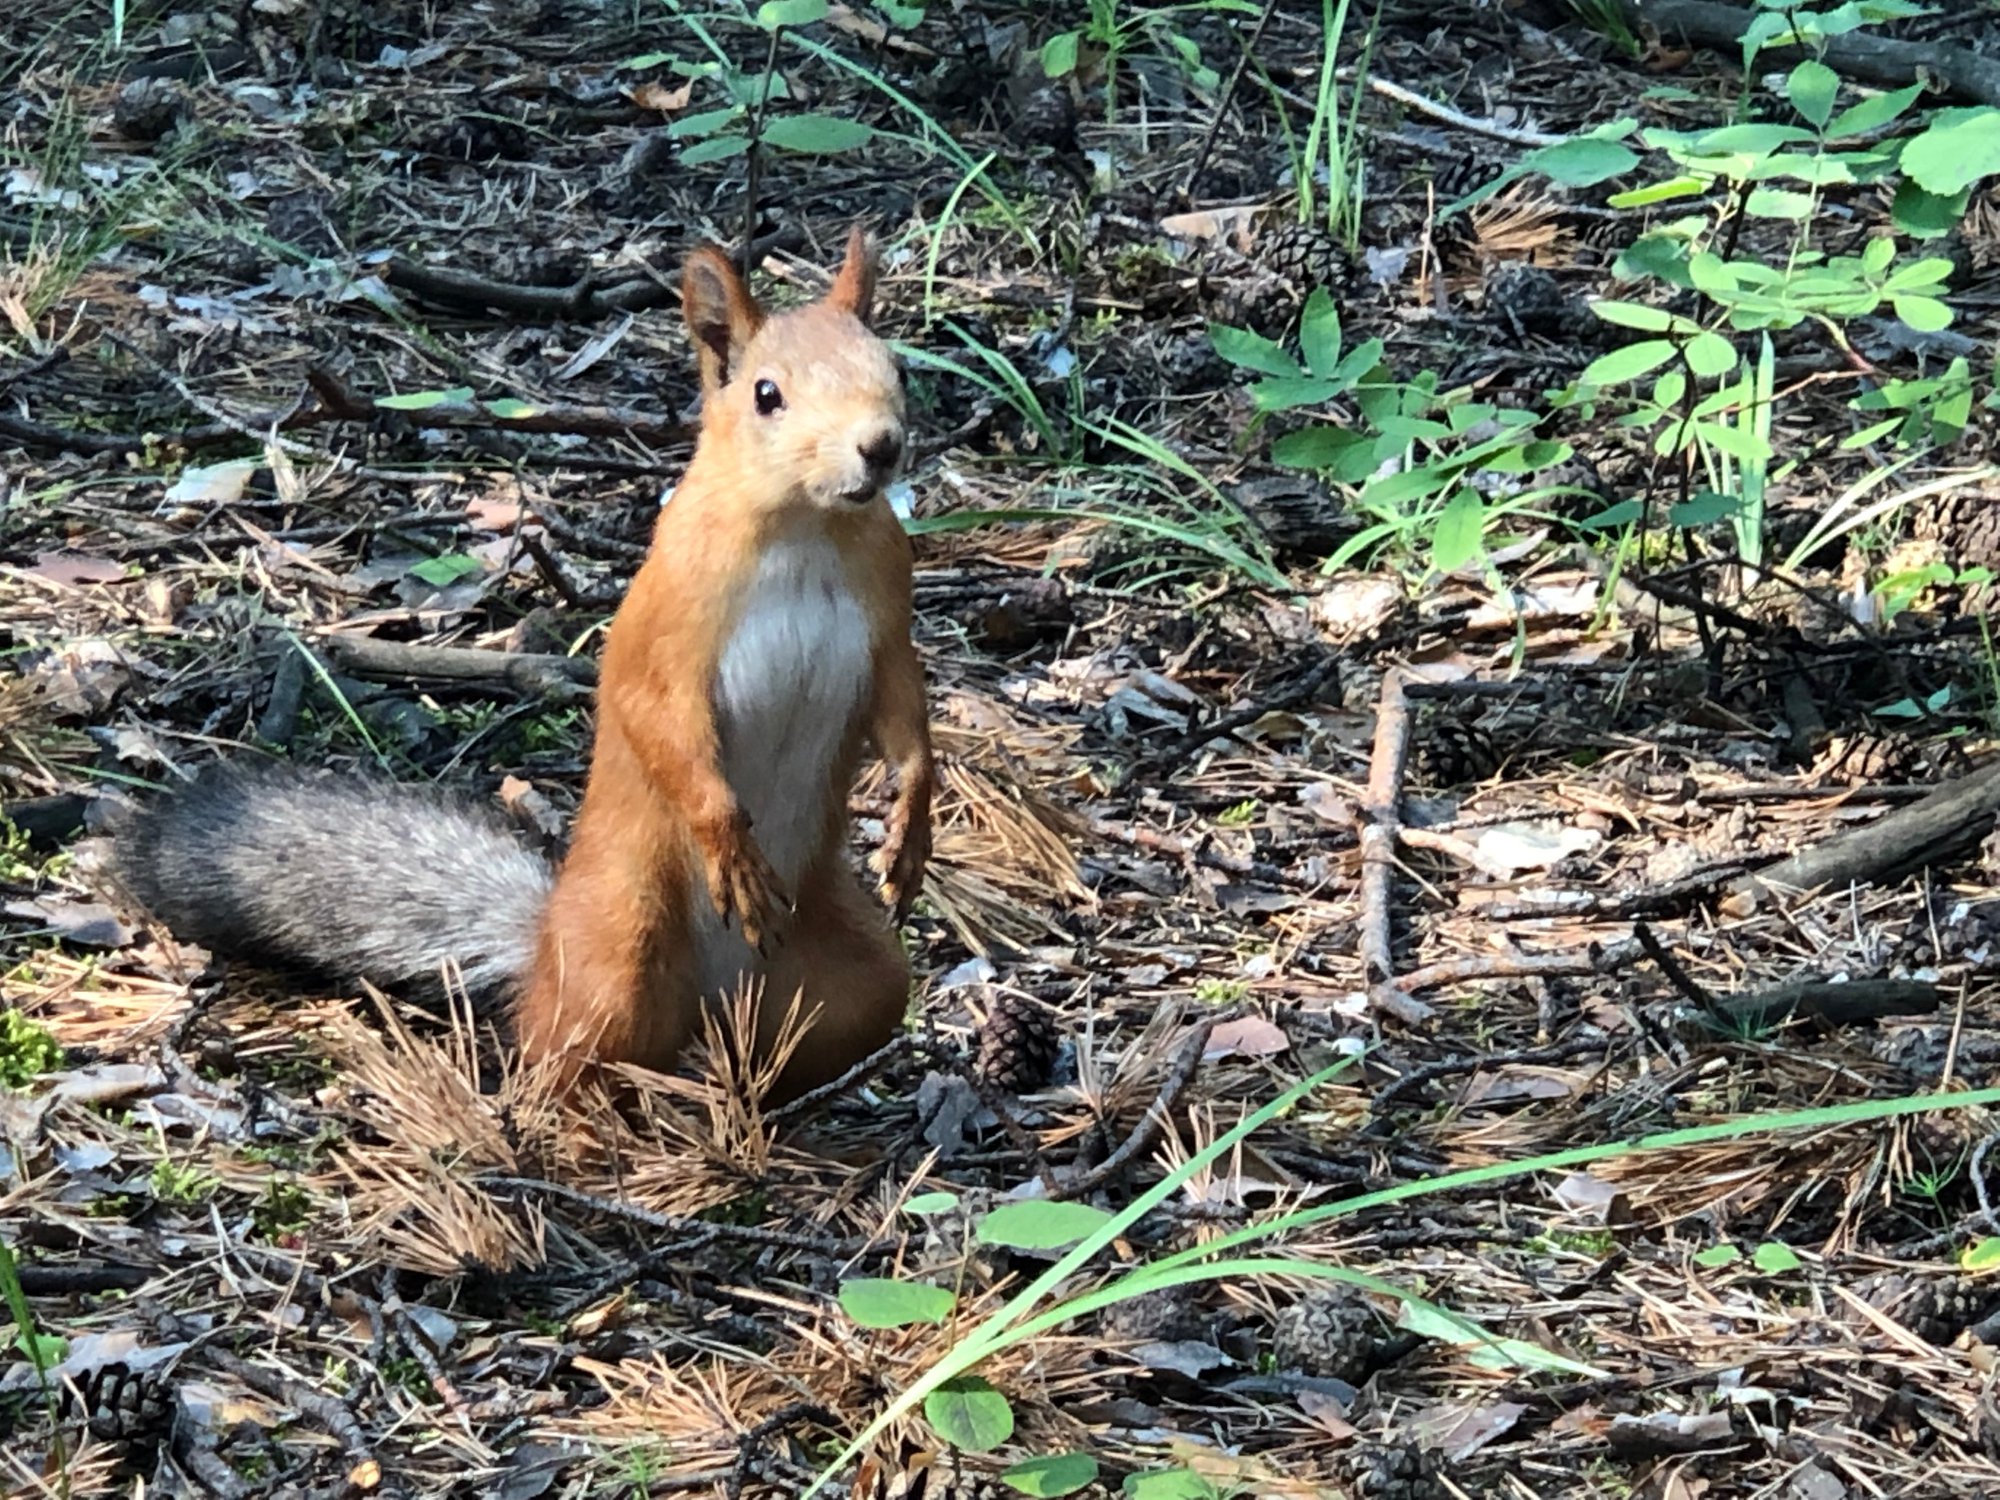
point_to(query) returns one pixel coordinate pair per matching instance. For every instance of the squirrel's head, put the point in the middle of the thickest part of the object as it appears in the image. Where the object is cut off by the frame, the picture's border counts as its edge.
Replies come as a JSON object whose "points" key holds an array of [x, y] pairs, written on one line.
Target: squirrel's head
{"points": [[812, 398]]}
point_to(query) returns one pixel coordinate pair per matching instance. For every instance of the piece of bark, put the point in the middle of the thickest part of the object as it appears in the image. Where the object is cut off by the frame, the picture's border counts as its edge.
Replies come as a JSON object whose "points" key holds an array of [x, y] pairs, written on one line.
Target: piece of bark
{"points": [[1947, 823], [1857, 54], [545, 676]]}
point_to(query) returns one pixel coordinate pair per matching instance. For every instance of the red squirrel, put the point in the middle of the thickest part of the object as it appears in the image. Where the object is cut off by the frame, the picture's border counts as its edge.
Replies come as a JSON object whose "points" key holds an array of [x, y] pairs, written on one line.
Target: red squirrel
{"points": [[764, 645]]}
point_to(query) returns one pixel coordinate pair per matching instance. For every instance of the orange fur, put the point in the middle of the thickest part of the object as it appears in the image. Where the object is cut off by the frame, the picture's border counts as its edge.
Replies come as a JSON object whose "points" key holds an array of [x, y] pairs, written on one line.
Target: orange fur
{"points": [[764, 644]]}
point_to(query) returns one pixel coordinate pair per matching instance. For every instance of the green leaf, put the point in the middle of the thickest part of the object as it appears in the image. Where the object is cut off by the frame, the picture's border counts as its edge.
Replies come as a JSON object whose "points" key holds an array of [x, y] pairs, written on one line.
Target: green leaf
{"points": [[442, 572], [775, 13], [705, 123], [876, 1303], [1920, 275], [43, 1350], [1040, 1225], [1487, 1350], [715, 148], [1055, 1474], [1319, 334], [1739, 443], [1252, 351], [1778, 203], [902, 17], [1322, 448], [1460, 537], [1168, 1484], [1660, 192], [925, 1204], [1711, 355], [1716, 1256], [969, 1414], [457, 395], [1872, 113], [1659, 255], [1959, 147], [1059, 53], [1774, 1259], [1285, 393], [1582, 161], [509, 409], [1624, 513], [1633, 315], [1357, 363], [818, 135], [1811, 88], [1928, 216], [1703, 509], [1757, 138], [1925, 314], [1982, 1255], [1877, 253], [1628, 364]]}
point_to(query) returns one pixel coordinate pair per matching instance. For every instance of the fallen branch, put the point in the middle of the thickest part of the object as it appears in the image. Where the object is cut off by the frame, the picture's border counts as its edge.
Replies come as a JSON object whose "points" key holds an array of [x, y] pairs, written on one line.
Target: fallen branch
{"points": [[1949, 821], [585, 300], [1826, 1003], [543, 676], [1381, 827], [1304, 690], [1877, 59], [1146, 1134], [338, 403], [1594, 958]]}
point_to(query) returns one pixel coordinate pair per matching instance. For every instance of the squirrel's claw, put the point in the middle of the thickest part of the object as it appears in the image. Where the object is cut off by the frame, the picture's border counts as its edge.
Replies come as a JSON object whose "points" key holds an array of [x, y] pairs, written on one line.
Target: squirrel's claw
{"points": [[743, 886], [906, 849]]}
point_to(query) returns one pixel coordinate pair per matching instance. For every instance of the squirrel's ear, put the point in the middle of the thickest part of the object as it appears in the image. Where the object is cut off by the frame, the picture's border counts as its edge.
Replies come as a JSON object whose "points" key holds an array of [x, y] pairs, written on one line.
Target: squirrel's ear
{"points": [[854, 288], [721, 314]]}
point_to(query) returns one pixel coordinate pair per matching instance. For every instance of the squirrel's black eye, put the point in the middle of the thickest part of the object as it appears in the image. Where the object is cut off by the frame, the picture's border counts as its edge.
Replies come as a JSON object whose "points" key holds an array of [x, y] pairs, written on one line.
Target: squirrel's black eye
{"points": [[768, 397]]}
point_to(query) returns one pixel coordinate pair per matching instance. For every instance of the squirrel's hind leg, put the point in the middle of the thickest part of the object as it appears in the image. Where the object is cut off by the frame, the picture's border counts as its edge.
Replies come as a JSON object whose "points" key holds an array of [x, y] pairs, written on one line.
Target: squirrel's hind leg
{"points": [[841, 949]]}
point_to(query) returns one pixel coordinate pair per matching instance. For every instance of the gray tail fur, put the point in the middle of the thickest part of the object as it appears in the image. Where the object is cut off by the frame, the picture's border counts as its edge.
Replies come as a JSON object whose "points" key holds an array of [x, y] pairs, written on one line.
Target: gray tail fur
{"points": [[342, 878]]}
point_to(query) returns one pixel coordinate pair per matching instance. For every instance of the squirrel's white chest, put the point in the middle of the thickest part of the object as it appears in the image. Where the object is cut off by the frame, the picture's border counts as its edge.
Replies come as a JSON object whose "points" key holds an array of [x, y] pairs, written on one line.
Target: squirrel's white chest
{"points": [[794, 674]]}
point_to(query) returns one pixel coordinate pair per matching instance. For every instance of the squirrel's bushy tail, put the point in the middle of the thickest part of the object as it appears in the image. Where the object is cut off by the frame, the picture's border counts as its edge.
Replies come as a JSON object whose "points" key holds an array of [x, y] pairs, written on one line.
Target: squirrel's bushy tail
{"points": [[340, 877]]}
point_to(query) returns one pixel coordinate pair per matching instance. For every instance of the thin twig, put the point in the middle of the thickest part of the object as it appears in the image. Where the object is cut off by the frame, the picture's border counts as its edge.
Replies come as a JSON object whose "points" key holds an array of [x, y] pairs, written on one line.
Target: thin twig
{"points": [[753, 168], [1227, 98], [1382, 823], [873, 1062], [1146, 1134], [631, 1213]]}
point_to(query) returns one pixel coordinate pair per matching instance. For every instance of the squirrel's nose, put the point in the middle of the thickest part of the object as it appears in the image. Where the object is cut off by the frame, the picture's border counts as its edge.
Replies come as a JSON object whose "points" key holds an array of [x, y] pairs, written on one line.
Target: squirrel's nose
{"points": [[881, 452]]}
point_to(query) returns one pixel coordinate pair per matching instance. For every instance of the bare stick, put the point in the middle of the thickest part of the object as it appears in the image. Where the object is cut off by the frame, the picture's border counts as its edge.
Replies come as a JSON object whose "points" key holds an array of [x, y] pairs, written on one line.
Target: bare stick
{"points": [[544, 676], [1146, 1134], [1382, 823], [1228, 96], [341, 404], [1595, 959], [1875, 58], [1950, 820]]}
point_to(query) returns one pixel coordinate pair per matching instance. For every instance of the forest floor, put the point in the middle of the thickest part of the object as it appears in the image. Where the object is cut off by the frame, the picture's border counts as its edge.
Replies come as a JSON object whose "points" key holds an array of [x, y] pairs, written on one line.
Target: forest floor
{"points": [[308, 1244]]}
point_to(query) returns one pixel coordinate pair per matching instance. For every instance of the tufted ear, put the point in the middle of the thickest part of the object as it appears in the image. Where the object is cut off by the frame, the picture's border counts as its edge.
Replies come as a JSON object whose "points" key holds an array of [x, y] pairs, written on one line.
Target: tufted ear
{"points": [[854, 288], [722, 316]]}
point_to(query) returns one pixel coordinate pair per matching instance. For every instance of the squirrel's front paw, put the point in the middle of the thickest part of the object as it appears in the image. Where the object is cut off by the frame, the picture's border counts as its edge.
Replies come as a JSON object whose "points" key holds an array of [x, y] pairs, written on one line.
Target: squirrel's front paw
{"points": [[743, 885], [906, 849]]}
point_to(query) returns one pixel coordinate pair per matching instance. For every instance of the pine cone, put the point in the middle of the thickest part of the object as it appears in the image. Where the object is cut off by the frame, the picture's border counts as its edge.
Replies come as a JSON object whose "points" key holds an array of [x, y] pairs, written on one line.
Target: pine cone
{"points": [[1045, 115], [1454, 750], [1937, 1309], [119, 1404], [1529, 300], [1965, 525], [147, 108], [1304, 255], [1164, 1317], [1398, 1471], [1331, 1333], [1017, 1045]]}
